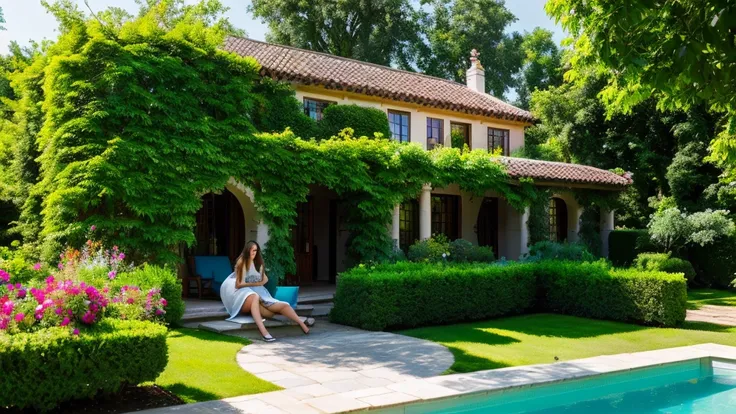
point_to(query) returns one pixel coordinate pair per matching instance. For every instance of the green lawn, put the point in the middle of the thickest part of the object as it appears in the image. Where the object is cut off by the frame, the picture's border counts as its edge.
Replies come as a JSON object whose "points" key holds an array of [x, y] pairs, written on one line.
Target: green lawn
{"points": [[699, 297], [539, 338], [202, 367]]}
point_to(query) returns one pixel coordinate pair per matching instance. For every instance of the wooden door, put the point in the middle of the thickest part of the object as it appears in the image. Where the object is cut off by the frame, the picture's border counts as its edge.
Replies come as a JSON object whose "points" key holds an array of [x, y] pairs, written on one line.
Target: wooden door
{"points": [[302, 236], [487, 224]]}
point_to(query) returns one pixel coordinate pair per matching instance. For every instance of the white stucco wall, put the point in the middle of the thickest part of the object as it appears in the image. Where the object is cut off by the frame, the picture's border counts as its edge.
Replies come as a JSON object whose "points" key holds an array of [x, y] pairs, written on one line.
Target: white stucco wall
{"points": [[418, 117]]}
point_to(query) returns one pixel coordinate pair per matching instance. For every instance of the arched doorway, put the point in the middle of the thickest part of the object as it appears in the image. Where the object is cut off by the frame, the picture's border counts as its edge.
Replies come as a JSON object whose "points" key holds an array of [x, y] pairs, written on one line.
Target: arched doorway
{"points": [[487, 224], [220, 229], [557, 220]]}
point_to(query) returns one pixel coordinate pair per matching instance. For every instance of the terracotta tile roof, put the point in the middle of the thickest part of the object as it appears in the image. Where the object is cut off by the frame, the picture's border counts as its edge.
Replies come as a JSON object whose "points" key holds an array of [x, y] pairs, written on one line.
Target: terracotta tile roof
{"points": [[333, 72], [562, 172]]}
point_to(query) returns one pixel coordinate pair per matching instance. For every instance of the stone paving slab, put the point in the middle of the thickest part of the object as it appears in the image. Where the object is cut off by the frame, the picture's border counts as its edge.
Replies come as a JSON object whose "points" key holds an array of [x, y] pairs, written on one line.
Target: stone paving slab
{"points": [[720, 315], [318, 398]]}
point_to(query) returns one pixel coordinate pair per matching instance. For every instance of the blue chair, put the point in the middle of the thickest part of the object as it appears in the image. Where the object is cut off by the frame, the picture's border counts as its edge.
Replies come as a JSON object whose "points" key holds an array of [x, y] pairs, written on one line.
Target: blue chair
{"points": [[213, 269]]}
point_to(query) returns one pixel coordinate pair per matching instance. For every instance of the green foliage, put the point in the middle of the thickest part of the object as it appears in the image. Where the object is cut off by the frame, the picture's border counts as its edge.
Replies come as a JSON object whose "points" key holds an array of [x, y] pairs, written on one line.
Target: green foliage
{"points": [[364, 121], [593, 290], [438, 249], [538, 222], [14, 262], [378, 31], [542, 67], [676, 52], [463, 251], [276, 108], [417, 294], [590, 230], [44, 368], [450, 30], [663, 262], [549, 250], [673, 229], [625, 244], [715, 264], [688, 176]]}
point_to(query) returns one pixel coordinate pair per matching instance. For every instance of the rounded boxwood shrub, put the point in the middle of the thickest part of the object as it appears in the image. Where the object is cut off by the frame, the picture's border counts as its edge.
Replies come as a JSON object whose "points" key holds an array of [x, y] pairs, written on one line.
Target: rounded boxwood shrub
{"points": [[663, 262], [430, 250], [463, 251], [44, 368], [363, 121]]}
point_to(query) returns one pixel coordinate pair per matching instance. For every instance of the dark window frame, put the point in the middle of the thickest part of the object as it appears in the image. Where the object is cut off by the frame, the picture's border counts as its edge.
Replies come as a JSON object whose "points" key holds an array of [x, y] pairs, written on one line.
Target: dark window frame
{"points": [[320, 105], [445, 215], [408, 124], [503, 134], [469, 130], [408, 224], [557, 220], [431, 129]]}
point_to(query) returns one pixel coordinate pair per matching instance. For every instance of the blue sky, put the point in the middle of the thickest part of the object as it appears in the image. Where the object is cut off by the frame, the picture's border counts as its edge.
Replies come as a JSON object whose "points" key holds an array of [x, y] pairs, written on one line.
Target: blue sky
{"points": [[27, 19]]}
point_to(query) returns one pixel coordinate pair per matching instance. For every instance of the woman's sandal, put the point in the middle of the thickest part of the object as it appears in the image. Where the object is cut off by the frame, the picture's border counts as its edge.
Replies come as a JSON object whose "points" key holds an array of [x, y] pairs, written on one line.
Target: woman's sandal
{"points": [[309, 322], [268, 338]]}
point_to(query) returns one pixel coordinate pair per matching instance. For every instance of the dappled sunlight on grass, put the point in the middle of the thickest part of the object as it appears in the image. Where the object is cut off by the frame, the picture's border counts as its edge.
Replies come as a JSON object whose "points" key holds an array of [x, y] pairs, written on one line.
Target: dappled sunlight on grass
{"points": [[539, 338], [202, 367], [696, 298]]}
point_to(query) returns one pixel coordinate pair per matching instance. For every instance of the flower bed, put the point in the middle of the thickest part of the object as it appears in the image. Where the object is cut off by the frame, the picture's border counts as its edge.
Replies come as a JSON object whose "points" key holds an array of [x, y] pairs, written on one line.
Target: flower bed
{"points": [[414, 294]]}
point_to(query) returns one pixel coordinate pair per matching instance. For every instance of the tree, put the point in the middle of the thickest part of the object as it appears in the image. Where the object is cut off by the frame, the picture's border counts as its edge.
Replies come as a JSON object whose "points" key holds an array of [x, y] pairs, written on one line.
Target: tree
{"points": [[678, 52], [453, 28], [2, 19], [377, 31], [542, 66]]}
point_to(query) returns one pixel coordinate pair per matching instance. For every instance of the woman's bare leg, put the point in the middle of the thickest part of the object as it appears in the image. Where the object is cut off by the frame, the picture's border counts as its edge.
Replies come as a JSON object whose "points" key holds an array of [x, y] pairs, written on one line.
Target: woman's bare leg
{"points": [[286, 310], [265, 312], [252, 307]]}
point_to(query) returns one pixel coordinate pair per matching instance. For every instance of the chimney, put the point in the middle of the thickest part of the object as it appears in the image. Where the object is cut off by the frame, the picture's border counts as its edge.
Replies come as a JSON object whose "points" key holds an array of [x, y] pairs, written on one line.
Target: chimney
{"points": [[476, 75]]}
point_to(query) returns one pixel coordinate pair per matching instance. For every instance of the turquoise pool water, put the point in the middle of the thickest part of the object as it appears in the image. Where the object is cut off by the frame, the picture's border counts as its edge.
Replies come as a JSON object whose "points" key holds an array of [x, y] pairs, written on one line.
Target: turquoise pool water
{"points": [[696, 386]]}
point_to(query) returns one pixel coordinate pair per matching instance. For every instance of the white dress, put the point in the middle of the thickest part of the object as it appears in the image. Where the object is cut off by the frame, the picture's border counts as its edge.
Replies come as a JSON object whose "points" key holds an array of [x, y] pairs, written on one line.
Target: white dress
{"points": [[234, 298]]}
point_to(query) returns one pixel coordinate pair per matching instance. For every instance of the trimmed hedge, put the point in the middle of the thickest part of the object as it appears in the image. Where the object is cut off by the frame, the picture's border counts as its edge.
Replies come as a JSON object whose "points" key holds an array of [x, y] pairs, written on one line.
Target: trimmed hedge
{"points": [[662, 262], [363, 121], [415, 294], [407, 295], [592, 290], [44, 368], [624, 245], [549, 250]]}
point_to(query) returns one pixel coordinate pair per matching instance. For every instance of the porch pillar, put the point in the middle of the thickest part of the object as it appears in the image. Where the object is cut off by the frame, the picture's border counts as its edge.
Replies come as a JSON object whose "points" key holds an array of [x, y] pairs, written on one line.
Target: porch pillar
{"points": [[425, 212], [395, 233], [574, 214], [262, 236], [606, 229], [517, 233]]}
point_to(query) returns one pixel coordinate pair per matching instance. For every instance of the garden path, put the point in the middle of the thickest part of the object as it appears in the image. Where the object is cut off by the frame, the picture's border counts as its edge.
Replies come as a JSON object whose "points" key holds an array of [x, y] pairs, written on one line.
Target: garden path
{"points": [[720, 315]]}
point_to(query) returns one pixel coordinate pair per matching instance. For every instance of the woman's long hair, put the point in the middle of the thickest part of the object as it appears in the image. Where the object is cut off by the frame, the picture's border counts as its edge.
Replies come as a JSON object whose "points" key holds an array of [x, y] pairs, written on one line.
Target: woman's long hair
{"points": [[244, 261]]}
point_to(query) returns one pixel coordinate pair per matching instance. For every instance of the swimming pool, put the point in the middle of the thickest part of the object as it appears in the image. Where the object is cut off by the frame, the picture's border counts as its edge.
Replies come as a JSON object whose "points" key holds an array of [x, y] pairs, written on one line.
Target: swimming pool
{"points": [[702, 385]]}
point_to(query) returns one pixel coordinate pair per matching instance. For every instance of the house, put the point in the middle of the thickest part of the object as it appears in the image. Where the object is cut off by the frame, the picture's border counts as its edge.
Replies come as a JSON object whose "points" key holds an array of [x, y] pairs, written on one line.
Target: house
{"points": [[421, 109]]}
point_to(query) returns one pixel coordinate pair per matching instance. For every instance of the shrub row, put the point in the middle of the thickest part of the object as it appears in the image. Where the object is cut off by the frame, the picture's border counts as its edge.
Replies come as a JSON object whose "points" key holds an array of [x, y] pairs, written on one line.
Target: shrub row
{"points": [[414, 294], [44, 368], [439, 249], [664, 262]]}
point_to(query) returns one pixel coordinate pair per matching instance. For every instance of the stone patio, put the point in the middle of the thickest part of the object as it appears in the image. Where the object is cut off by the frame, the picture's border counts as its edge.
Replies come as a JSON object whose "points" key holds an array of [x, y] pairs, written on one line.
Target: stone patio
{"points": [[329, 397]]}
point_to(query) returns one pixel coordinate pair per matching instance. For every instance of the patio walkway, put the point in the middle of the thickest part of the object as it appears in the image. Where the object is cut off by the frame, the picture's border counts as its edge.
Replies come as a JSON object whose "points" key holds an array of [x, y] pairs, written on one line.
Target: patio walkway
{"points": [[719, 315]]}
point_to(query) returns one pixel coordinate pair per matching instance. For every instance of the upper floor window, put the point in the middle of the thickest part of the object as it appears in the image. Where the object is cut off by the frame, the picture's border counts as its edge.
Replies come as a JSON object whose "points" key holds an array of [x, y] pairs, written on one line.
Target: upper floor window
{"points": [[460, 134], [399, 124], [314, 107], [434, 132], [498, 138]]}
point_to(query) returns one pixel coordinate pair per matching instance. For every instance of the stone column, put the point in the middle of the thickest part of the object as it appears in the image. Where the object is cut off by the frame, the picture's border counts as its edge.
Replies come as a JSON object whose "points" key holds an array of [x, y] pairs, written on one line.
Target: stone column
{"points": [[574, 214], [517, 233], [395, 228], [262, 236], [425, 212], [606, 228]]}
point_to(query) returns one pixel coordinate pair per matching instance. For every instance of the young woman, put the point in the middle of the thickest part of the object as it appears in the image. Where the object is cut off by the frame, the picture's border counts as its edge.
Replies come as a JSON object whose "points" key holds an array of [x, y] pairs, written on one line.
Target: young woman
{"points": [[244, 291]]}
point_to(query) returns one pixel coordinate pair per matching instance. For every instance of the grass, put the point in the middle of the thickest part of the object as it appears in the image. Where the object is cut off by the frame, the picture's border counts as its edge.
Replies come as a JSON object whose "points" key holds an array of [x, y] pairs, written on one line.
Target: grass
{"points": [[696, 298], [202, 367], [539, 338]]}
